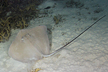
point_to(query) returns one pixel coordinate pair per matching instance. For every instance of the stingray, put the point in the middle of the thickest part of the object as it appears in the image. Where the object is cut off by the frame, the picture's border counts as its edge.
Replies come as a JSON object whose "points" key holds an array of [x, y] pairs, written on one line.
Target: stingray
{"points": [[33, 44], [30, 44]]}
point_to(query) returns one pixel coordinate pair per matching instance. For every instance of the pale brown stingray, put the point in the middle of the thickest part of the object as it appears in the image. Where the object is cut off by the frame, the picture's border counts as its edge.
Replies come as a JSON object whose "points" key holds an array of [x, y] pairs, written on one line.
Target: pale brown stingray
{"points": [[30, 44], [33, 44]]}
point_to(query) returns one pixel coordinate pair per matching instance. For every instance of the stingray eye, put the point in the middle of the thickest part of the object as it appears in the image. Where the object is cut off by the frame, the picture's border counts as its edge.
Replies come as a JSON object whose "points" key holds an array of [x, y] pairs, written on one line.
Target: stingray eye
{"points": [[29, 35], [22, 39]]}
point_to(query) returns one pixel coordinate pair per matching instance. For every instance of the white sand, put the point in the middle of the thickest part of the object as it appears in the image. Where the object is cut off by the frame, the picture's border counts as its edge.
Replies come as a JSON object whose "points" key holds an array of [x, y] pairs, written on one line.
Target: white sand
{"points": [[88, 53]]}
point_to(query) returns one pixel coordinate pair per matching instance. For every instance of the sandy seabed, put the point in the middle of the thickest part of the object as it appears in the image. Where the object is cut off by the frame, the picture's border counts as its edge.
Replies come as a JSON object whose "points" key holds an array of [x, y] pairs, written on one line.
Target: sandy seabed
{"points": [[88, 53]]}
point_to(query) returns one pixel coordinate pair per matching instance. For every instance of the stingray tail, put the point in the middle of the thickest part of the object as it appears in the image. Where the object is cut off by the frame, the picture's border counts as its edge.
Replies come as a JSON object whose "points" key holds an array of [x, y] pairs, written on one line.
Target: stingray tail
{"points": [[53, 52], [49, 54]]}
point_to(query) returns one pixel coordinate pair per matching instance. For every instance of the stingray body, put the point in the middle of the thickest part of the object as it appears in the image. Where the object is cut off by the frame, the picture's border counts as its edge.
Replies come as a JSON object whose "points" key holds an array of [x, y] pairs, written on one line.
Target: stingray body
{"points": [[30, 44], [33, 44]]}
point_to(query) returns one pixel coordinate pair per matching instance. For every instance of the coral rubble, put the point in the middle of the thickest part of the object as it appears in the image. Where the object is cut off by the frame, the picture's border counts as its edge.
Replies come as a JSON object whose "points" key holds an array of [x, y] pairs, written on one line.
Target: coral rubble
{"points": [[16, 14]]}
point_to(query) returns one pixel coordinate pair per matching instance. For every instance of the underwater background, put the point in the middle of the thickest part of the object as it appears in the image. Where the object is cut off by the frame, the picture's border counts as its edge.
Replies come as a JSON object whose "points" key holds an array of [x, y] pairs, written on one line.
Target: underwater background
{"points": [[65, 19]]}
